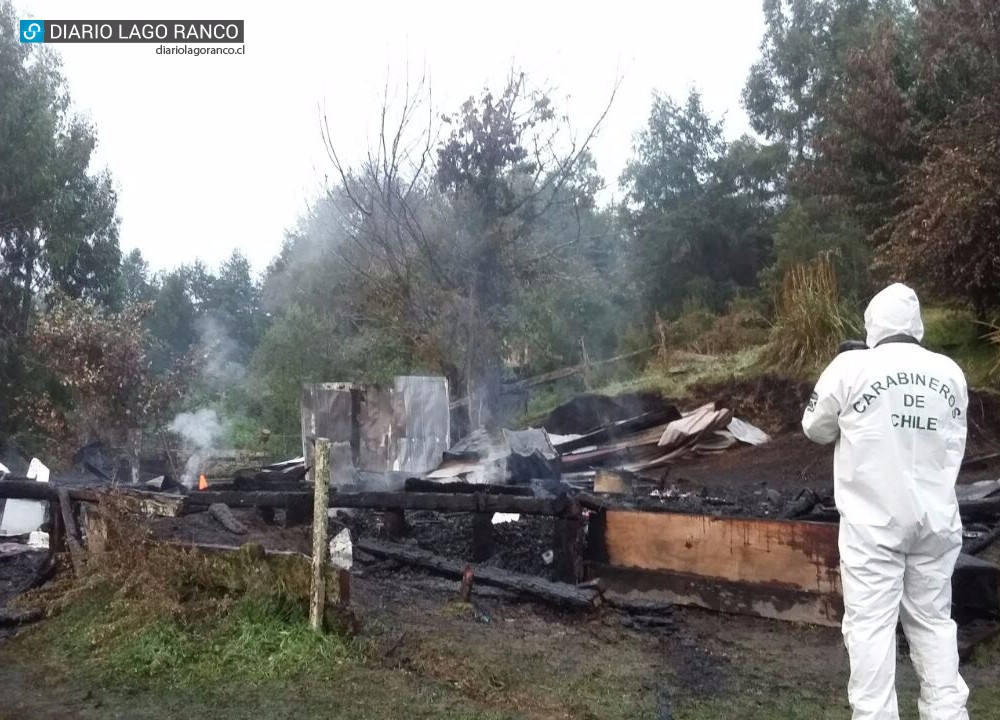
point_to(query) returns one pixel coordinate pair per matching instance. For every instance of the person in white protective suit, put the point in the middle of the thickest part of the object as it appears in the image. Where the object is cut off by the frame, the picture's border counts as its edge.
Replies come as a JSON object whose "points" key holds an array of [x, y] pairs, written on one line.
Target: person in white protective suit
{"points": [[897, 412]]}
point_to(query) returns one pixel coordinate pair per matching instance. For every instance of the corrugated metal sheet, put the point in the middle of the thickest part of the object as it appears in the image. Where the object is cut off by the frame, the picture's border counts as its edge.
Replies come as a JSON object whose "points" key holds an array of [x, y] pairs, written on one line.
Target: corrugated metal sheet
{"points": [[405, 427]]}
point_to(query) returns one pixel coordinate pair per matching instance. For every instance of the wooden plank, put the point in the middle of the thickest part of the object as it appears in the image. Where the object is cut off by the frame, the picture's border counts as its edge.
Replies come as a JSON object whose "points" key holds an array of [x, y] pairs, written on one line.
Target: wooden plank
{"points": [[56, 537], [568, 540], [555, 592], [317, 590], [739, 598], [482, 536], [458, 502], [96, 529], [441, 502], [795, 555], [24, 488], [71, 532], [153, 504], [611, 482], [11, 617]]}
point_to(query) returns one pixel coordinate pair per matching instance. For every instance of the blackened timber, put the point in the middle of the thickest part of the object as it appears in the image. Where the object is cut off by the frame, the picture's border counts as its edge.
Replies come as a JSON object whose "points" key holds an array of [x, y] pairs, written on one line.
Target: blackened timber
{"points": [[979, 544], [440, 502], [23, 488], [621, 430], [802, 505], [555, 592], [433, 486], [394, 522], [568, 542], [138, 501], [446, 502], [979, 461], [235, 498], [975, 509], [482, 536], [71, 531], [11, 616]]}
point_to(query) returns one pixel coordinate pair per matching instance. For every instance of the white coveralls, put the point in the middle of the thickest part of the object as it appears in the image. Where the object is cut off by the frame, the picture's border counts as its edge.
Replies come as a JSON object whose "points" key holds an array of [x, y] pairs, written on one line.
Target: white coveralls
{"points": [[898, 414]]}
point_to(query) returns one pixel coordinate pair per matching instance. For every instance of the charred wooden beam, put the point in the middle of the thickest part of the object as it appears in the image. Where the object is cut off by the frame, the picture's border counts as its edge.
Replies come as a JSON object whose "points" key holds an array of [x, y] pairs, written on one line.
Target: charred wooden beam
{"points": [[446, 502], [24, 488], [440, 502], [432, 486], [482, 536], [802, 505], [979, 461], [979, 509], [394, 522], [982, 543], [557, 593], [10, 616], [568, 540], [72, 532], [138, 501]]}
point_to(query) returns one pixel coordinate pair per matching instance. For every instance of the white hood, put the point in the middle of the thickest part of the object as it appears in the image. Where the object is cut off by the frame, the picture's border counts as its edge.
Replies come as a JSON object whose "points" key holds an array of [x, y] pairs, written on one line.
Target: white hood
{"points": [[894, 311]]}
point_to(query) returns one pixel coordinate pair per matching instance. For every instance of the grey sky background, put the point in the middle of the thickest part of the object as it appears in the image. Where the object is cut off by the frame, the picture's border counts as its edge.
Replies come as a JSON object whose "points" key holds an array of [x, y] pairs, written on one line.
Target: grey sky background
{"points": [[215, 152]]}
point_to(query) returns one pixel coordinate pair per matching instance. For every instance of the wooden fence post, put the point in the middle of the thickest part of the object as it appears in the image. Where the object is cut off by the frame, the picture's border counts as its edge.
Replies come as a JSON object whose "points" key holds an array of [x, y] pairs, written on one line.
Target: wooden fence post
{"points": [[321, 495]]}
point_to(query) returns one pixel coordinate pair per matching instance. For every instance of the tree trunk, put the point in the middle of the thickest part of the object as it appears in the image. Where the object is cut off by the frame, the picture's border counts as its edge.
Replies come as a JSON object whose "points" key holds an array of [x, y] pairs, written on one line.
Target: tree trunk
{"points": [[133, 444]]}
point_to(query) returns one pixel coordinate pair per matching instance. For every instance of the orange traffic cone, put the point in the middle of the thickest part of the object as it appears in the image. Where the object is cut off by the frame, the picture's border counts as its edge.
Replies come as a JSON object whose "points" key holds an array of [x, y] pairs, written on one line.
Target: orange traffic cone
{"points": [[202, 482]]}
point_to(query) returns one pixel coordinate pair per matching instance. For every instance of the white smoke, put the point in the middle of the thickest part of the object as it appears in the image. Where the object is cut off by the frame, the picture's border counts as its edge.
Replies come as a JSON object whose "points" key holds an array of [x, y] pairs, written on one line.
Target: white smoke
{"points": [[219, 351], [202, 432]]}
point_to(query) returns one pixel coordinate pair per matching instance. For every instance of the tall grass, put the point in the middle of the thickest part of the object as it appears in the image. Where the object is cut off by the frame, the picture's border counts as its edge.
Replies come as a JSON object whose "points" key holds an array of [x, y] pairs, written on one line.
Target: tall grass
{"points": [[811, 320], [147, 614], [993, 338]]}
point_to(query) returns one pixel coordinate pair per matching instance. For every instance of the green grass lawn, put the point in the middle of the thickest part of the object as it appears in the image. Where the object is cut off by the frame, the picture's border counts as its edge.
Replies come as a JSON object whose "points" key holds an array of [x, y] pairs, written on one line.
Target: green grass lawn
{"points": [[96, 658]]}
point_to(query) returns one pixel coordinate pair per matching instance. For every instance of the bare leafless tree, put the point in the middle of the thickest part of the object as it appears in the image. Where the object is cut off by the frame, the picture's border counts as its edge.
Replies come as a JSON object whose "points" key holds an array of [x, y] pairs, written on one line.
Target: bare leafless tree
{"points": [[442, 231]]}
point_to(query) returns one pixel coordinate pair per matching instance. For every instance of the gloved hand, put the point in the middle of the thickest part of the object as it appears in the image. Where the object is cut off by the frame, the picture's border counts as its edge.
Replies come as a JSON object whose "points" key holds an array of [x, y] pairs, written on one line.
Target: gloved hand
{"points": [[851, 345]]}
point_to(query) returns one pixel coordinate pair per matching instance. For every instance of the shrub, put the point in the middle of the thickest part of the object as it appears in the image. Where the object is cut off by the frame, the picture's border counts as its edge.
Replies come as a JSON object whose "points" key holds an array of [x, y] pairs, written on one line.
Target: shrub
{"points": [[811, 320], [701, 331], [993, 336], [743, 326]]}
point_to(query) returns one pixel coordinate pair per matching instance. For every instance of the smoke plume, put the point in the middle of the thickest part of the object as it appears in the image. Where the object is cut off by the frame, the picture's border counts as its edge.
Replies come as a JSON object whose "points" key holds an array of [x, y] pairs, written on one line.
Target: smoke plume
{"points": [[202, 432]]}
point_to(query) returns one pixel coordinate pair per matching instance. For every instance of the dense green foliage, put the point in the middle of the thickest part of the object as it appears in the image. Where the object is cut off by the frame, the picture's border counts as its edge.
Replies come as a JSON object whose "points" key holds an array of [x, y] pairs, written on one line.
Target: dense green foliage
{"points": [[472, 243], [58, 230]]}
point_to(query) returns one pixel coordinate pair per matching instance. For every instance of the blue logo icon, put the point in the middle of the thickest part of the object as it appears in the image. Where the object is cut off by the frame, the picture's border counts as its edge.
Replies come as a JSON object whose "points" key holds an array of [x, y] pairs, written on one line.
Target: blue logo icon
{"points": [[32, 31]]}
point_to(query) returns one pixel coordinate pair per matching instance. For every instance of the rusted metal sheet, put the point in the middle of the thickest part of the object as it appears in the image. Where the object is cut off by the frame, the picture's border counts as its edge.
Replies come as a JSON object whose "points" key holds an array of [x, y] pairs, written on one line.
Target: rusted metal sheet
{"points": [[771, 568]]}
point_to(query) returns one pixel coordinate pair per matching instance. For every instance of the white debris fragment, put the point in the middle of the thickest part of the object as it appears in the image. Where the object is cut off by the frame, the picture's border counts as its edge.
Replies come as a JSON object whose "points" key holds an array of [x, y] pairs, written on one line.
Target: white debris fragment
{"points": [[499, 518], [548, 556], [342, 550], [747, 433], [21, 517]]}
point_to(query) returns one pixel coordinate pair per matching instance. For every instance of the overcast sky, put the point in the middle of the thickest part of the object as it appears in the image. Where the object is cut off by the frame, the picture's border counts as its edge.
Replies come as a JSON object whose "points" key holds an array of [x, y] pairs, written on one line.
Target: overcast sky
{"points": [[215, 152]]}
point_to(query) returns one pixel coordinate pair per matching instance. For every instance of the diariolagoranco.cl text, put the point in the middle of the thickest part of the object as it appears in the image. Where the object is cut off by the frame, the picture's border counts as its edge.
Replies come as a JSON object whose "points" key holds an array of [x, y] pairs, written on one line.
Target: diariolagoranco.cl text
{"points": [[197, 50]]}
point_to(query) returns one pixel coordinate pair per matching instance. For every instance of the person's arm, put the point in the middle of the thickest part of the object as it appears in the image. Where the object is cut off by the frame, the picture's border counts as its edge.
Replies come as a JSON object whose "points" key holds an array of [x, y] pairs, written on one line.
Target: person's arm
{"points": [[958, 427], [821, 420]]}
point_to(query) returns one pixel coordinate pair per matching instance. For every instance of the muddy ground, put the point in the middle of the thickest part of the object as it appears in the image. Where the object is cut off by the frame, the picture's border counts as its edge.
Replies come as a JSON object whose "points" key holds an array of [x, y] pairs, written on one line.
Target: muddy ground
{"points": [[502, 657], [791, 462]]}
